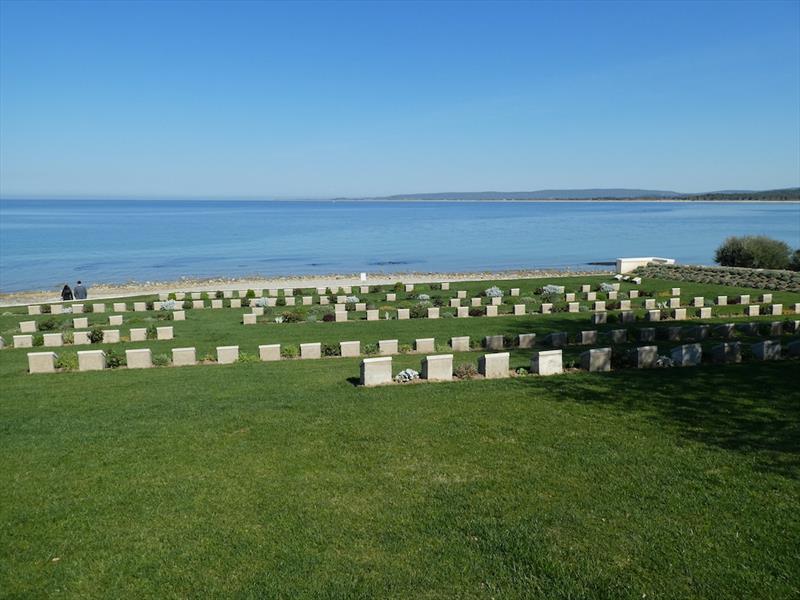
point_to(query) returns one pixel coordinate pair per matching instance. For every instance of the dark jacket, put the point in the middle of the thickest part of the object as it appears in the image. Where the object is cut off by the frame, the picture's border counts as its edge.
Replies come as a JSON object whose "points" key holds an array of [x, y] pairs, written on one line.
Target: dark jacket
{"points": [[66, 293]]}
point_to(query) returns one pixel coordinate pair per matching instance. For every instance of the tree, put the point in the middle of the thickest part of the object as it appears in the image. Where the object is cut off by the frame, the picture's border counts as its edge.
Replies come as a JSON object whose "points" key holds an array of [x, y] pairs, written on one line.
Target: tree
{"points": [[755, 251]]}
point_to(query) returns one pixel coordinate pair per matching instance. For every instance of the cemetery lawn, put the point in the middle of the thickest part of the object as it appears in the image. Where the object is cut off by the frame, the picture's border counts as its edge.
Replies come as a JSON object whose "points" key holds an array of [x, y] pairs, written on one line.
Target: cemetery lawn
{"points": [[286, 480]]}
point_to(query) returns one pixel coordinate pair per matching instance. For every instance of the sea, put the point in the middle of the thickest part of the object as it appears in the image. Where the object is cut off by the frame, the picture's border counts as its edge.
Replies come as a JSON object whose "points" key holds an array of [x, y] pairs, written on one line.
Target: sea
{"points": [[45, 243]]}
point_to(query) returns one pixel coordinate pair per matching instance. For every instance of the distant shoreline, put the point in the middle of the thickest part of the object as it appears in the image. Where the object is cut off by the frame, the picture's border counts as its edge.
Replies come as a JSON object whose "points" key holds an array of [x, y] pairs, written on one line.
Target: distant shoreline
{"points": [[412, 200]]}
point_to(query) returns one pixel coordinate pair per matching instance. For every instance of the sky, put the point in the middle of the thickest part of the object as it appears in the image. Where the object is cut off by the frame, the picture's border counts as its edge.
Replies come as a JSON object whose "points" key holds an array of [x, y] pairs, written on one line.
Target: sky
{"points": [[310, 100]]}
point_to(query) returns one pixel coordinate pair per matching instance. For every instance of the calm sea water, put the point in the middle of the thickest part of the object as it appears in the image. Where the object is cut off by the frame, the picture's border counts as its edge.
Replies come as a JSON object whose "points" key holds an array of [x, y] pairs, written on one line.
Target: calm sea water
{"points": [[44, 243]]}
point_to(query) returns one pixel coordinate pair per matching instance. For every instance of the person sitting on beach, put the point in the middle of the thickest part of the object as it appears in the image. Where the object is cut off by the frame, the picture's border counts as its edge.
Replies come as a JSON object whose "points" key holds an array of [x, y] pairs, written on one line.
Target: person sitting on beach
{"points": [[66, 293], [80, 291]]}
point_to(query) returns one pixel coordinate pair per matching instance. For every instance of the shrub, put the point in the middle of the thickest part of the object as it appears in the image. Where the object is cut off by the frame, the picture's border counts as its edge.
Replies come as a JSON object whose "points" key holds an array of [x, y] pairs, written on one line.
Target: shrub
{"points": [[435, 286], [330, 350], [477, 311], [399, 287], [219, 295], [149, 305], [250, 294], [292, 317], [794, 263], [187, 304], [290, 351], [95, 335], [68, 361], [38, 339], [114, 359], [280, 301], [756, 251], [465, 371], [418, 311], [328, 317], [161, 360], [68, 337], [203, 295], [172, 296], [46, 309], [370, 349], [246, 357], [297, 291], [47, 324], [152, 334], [404, 348]]}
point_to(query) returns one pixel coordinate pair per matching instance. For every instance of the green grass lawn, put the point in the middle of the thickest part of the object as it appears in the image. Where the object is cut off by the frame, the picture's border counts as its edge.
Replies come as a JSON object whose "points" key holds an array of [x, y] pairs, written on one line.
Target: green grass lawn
{"points": [[285, 480]]}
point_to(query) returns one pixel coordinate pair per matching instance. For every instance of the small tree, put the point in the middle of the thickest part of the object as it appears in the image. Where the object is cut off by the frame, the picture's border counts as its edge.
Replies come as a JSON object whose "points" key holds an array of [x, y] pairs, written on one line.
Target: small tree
{"points": [[754, 251]]}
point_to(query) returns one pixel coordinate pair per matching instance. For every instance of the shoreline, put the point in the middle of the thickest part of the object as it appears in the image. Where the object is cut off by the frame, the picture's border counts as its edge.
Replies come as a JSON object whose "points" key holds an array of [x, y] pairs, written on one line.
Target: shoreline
{"points": [[103, 291]]}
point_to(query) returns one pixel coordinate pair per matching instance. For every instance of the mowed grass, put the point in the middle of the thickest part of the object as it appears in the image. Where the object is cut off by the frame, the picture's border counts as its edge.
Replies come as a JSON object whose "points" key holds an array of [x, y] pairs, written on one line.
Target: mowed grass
{"points": [[286, 480]]}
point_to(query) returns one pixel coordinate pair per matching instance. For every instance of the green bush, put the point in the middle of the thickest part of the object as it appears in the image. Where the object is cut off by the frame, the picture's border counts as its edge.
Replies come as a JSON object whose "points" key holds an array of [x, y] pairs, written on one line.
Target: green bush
{"points": [[95, 335], [399, 287], [152, 334], [46, 309], [187, 304], [245, 357], [292, 317], [172, 296], [290, 351], [67, 361], [794, 263], [754, 251], [47, 324], [250, 294], [280, 301], [114, 359], [161, 360], [418, 311], [465, 371], [331, 350], [38, 339], [370, 349]]}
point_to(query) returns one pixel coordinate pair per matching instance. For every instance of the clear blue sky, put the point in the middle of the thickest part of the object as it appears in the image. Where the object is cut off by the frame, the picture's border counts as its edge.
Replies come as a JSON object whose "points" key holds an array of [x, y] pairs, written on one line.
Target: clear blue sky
{"points": [[203, 99]]}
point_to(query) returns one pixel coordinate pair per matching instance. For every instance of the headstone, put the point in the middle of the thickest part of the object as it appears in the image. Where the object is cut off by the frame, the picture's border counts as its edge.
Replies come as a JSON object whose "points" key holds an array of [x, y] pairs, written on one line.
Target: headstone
{"points": [[425, 345], [645, 357], [341, 299], [56, 309], [287, 292], [308, 300], [493, 342], [475, 301], [272, 292], [139, 306], [340, 316], [722, 301], [633, 294], [585, 288], [462, 312], [460, 344], [596, 359], [42, 362], [433, 312], [698, 301], [600, 305], [514, 292], [158, 305], [257, 311], [115, 320], [120, 307], [227, 354], [766, 298], [591, 296], [627, 316], [547, 308], [216, 303], [198, 304], [612, 295], [81, 338], [777, 310], [526, 340], [547, 362], [321, 291], [587, 337], [569, 297], [269, 352], [387, 347], [249, 319], [724, 330], [364, 289], [52, 340], [391, 297], [774, 329], [491, 311], [557, 339], [409, 287], [23, 341], [446, 285], [674, 302], [496, 301], [673, 334], [699, 332], [373, 315], [289, 300], [599, 318], [111, 336], [744, 299], [494, 366], [164, 333], [455, 302], [376, 371], [34, 309], [271, 303], [98, 308], [311, 351], [647, 334], [727, 352], [705, 312], [618, 336], [138, 334], [679, 314], [766, 350], [574, 307], [437, 368], [180, 295], [649, 303], [225, 294], [748, 328], [753, 310], [675, 292], [346, 289], [624, 304], [91, 360], [687, 355], [236, 303], [519, 310], [361, 306], [653, 315], [350, 349], [197, 295], [27, 326], [324, 300], [178, 315], [141, 358], [461, 294]]}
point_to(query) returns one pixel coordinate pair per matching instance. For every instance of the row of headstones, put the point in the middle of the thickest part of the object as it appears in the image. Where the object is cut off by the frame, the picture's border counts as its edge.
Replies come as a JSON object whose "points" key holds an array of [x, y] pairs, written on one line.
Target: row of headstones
{"points": [[374, 371], [81, 338], [378, 371], [287, 292], [100, 307]]}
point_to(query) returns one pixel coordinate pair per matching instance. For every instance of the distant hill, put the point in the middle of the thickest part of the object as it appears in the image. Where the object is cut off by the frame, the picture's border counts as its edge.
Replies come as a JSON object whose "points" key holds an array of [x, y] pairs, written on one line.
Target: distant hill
{"points": [[603, 194]]}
